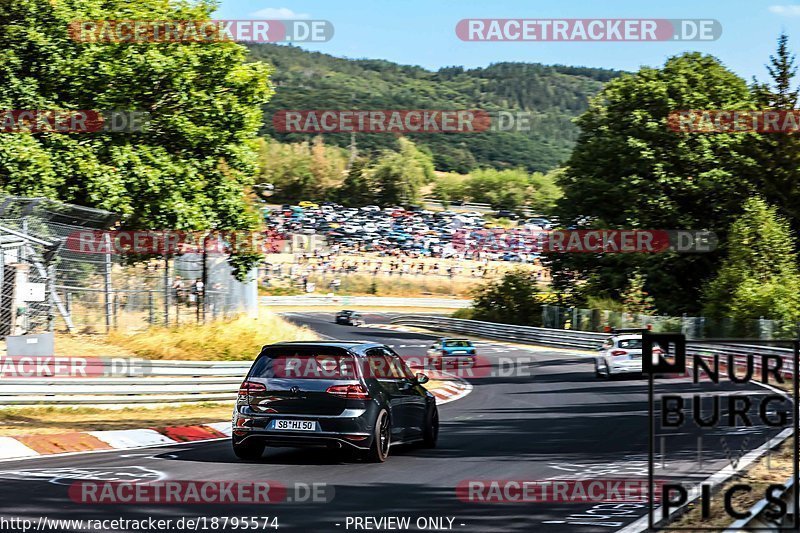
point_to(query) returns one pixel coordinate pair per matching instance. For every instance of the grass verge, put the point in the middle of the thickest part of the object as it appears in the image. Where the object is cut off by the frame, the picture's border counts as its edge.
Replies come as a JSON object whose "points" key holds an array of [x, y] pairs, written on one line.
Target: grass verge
{"points": [[52, 420], [225, 340], [367, 285], [364, 309], [774, 467], [406, 286]]}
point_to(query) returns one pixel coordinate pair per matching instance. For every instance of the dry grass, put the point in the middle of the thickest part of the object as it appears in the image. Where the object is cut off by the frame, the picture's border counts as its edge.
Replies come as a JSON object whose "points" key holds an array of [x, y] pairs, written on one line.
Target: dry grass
{"points": [[408, 286], [363, 308], [367, 285], [289, 258], [89, 346], [364, 283], [52, 420], [225, 340], [774, 467]]}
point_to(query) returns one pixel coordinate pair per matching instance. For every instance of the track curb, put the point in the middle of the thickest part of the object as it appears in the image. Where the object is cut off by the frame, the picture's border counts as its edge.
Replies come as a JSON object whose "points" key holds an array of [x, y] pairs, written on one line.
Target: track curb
{"points": [[30, 446]]}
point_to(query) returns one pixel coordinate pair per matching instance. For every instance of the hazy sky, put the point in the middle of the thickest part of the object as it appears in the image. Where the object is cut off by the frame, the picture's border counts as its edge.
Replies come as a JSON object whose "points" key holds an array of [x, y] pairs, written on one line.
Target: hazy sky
{"points": [[422, 32]]}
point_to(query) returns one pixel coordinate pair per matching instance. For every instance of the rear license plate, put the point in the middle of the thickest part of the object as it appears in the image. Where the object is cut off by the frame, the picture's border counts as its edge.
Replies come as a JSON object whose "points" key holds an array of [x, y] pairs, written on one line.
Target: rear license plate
{"points": [[636, 356], [295, 425]]}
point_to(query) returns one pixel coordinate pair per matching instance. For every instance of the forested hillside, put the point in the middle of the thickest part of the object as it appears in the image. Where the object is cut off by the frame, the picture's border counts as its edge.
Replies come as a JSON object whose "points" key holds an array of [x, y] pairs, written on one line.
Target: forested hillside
{"points": [[554, 94]]}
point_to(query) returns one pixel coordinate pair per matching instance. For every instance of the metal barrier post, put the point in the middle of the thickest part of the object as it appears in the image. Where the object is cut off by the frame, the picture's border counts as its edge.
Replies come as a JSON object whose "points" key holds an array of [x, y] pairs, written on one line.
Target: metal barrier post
{"points": [[151, 314], [107, 287], [166, 290]]}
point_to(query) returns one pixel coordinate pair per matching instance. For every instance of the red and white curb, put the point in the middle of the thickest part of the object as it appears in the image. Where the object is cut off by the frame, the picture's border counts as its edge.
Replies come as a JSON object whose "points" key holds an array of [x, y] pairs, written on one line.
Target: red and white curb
{"points": [[76, 442], [28, 446], [393, 327], [451, 391]]}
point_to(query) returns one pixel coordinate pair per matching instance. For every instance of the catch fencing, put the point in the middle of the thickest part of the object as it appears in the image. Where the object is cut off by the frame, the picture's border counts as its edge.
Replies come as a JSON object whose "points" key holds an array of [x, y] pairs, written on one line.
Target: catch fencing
{"points": [[477, 207], [50, 284], [694, 327]]}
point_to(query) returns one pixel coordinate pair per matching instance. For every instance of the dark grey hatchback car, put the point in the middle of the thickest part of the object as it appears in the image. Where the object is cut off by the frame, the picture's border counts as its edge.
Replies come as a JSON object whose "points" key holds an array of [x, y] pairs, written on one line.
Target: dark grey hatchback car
{"points": [[359, 396]]}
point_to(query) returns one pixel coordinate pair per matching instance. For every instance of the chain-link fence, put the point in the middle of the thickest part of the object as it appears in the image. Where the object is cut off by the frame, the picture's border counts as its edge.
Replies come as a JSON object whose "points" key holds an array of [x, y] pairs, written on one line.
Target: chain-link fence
{"points": [[52, 279], [26, 266], [694, 327]]}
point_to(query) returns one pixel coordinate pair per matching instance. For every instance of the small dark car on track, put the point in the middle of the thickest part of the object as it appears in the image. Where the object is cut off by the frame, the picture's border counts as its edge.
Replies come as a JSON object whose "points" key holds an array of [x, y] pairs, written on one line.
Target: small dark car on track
{"points": [[349, 318], [358, 396]]}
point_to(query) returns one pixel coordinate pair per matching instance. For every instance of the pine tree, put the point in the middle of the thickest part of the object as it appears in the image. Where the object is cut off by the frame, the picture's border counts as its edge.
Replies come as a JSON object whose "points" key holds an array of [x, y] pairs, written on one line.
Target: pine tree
{"points": [[356, 189], [782, 70], [778, 154]]}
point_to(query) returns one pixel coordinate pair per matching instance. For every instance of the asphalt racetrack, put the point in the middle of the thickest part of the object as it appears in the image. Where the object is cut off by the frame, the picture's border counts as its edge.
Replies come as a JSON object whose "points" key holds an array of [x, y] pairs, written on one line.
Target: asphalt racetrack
{"points": [[549, 418]]}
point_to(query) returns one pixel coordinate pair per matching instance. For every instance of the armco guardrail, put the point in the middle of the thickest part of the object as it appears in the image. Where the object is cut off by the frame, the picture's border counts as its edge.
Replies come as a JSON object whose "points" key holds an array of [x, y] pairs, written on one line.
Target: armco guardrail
{"points": [[468, 206], [143, 382], [586, 340], [163, 381], [374, 301], [762, 514], [492, 330], [477, 207]]}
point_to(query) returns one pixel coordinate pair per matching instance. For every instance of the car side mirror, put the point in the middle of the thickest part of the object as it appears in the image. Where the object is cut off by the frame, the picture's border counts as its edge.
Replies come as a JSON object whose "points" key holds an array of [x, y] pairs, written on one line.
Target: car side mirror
{"points": [[422, 379]]}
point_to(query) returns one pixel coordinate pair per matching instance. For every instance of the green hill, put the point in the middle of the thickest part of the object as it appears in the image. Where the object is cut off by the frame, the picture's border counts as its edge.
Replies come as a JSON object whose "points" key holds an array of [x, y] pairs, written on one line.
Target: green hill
{"points": [[554, 94]]}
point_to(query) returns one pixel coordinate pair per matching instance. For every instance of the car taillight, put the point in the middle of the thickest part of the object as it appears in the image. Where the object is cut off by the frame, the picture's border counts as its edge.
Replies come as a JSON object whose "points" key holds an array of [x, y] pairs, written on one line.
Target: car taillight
{"points": [[618, 352], [349, 392], [658, 351], [249, 387]]}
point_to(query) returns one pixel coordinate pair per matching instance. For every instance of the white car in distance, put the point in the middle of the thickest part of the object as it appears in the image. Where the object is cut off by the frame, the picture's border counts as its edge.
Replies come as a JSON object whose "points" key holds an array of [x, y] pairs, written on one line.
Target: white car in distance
{"points": [[622, 354]]}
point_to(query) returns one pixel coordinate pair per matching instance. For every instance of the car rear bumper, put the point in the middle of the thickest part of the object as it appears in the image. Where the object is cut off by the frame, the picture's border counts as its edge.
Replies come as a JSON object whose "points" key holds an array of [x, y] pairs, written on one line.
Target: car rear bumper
{"points": [[625, 369], [353, 427], [358, 441]]}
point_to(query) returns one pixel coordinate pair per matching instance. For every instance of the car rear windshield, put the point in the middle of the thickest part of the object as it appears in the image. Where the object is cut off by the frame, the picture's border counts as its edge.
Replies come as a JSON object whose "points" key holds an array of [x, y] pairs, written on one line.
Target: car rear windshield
{"points": [[305, 364], [457, 344], [635, 344]]}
